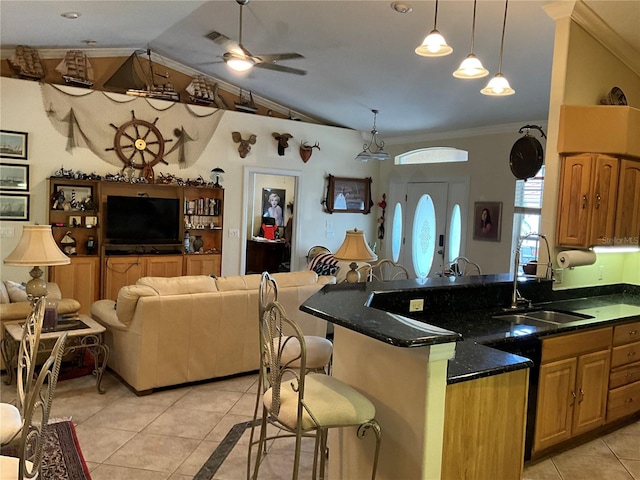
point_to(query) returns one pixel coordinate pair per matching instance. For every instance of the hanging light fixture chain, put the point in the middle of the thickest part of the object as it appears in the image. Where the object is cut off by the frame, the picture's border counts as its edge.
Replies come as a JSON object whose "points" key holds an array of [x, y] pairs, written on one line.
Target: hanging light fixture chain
{"points": [[435, 18], [473, 26], [504, 26]]}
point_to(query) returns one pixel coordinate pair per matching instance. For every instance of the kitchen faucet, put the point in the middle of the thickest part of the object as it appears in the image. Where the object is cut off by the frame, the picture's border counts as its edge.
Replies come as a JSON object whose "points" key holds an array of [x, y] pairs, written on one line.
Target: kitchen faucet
{"points": [[516, 298]]}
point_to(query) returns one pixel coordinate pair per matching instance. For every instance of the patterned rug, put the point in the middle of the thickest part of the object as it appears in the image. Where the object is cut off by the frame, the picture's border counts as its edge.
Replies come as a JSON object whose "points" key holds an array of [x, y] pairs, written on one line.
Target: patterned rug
{"points": [[62, 457]]}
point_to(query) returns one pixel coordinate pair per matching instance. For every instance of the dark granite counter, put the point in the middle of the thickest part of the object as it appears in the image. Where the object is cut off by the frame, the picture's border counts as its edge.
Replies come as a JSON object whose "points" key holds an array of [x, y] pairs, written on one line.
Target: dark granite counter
{"points": [[463, 309]]}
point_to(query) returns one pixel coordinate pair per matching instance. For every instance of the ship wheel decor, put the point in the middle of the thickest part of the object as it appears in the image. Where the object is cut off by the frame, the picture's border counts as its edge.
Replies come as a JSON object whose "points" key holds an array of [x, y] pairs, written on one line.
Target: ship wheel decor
{"points": [[140, 145]]}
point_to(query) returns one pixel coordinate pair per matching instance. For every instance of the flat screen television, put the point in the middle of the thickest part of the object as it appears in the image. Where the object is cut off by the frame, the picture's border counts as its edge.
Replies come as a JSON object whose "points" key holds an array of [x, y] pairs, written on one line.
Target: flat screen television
{"points": [[142, 220]]}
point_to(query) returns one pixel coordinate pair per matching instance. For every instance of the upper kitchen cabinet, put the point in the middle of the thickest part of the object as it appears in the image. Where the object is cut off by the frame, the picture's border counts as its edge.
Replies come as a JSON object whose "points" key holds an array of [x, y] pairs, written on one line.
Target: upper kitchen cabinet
{"points": [[599, 200]]}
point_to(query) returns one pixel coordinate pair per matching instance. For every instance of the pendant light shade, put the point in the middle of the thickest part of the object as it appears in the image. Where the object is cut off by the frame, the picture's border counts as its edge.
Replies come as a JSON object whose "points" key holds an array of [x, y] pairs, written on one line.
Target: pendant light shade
{"points": [[471, 67], [374, 149], [434, 44], [499, 86]]}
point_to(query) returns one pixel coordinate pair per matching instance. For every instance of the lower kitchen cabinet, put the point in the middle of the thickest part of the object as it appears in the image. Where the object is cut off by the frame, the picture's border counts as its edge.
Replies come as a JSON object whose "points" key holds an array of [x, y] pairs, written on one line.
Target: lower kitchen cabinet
{"points": [[484, 427], [79, 280], [624, 380], [573, 386]]}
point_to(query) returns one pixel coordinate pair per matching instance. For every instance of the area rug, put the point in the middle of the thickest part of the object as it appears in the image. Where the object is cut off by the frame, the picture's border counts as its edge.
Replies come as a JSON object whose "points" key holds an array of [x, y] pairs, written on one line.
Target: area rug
{"points": [[62, 457]]}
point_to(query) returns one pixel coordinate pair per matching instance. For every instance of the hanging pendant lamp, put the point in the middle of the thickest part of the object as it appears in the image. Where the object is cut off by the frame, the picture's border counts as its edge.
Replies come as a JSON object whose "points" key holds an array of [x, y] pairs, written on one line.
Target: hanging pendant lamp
{"points": [[374, 149], [434, 45], [471, 66], [499, 86]]}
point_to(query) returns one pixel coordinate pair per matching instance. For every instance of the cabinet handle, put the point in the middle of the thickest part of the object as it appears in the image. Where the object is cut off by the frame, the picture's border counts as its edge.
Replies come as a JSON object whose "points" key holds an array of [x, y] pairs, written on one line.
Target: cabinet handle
{"points": [[631, 354], [633, 332], [597, 200], [573, 395], [584, 202], [629, 375], [629, 400], [581, 396]]}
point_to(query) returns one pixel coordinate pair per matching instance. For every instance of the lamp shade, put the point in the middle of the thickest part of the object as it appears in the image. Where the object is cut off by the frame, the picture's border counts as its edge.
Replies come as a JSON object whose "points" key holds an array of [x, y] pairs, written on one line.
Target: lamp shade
{"points": [[355, 248], [434, 45], [36, 248]]}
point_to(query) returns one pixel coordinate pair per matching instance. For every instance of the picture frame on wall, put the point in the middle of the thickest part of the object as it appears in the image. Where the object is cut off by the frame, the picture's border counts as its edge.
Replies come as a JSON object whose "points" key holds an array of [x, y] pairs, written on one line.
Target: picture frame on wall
{"points": [[13, 144], [273, 204], [487, 221], [348, 195], [14, 177], [14, 207]]}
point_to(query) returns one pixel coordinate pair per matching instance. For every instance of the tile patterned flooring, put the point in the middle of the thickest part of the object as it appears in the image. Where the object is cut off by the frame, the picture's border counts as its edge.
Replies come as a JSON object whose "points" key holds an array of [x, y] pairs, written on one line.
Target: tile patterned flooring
{"points": [[170, 434]]}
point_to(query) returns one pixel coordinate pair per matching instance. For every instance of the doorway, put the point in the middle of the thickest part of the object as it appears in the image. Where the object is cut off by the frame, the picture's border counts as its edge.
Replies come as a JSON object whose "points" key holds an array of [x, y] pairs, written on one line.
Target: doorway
{"points": [[428, 223], [269, 226]]}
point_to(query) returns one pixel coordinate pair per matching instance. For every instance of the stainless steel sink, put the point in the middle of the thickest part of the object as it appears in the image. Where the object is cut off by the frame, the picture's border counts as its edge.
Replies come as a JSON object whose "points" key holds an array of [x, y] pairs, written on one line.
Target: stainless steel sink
{"points": [[541, 318]]}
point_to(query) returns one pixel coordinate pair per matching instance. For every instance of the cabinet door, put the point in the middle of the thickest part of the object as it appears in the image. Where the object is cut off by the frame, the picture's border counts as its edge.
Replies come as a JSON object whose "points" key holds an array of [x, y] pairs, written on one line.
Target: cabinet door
{"points": [[556, 397], [573, 204], [591, 390], [79, 280], [627, 228], [118, 272], [603, 200], [202, 264], [163, 266]]}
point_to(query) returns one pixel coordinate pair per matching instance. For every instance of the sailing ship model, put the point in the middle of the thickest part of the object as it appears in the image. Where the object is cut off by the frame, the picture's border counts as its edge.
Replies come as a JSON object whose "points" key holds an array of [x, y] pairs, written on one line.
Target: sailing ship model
{"points": [[76, 69], [133, 77], [201, 91], [25, 62], [246, 105]]}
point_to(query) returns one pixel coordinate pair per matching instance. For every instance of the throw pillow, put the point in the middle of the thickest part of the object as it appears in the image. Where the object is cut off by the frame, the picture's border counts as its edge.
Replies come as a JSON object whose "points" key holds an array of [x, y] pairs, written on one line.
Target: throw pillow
{"points": [[324, 264], [4, 295], [17, 292]]}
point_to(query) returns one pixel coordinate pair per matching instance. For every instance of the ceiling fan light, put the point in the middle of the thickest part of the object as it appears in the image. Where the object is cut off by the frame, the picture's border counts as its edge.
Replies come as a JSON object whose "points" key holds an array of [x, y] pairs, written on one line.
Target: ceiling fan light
{"points": [[498, 86], [471, 67], [240, 64], [434, 45]]}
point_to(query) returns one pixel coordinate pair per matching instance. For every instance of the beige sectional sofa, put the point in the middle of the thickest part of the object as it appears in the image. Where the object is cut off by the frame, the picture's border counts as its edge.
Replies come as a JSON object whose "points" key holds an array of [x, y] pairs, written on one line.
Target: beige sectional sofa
{"points": [[169, 331]]}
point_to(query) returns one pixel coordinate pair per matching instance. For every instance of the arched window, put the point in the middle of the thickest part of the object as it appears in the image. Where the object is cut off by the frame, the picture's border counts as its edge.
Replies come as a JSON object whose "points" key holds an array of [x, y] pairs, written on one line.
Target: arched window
{"points": [[432, 155], [424, 236]]}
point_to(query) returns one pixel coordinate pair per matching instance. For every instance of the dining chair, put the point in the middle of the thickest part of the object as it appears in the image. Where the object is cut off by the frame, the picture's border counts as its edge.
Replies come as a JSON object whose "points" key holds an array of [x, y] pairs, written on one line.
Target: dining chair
{"points": [[387, 269], [12, 416], [28, 464], [302, 403], [464, 267]]}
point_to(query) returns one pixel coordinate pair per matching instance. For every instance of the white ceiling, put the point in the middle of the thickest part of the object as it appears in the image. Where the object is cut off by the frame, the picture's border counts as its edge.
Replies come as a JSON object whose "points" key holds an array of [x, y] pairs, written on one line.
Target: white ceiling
{"points": [[359, 54]]}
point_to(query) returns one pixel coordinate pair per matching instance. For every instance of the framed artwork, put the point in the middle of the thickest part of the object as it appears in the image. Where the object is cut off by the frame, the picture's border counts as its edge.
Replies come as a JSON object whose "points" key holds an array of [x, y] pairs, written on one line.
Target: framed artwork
{"points": [[14, 177], [14, 207], [273, 202], [348, 195], [487, 218], [13, 144]]}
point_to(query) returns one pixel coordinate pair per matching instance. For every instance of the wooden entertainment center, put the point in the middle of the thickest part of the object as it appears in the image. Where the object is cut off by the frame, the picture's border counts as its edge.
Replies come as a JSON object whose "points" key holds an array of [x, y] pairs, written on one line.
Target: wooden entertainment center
{"points": [[100, 266]]}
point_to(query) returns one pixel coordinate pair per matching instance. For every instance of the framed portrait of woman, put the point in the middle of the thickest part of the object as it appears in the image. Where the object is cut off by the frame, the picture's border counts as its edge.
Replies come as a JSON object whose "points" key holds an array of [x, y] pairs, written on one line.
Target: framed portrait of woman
{"points": [[487, 220]]}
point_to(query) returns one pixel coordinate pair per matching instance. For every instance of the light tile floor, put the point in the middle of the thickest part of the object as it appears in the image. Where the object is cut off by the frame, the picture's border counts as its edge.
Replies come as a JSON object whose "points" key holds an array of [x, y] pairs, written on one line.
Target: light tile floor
{"points": [[170, 434]]}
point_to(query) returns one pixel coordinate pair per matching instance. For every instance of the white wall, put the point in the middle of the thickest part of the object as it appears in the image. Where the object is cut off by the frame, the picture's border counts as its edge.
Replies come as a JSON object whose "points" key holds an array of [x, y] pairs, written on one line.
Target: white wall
{"points": [[23, 110]]}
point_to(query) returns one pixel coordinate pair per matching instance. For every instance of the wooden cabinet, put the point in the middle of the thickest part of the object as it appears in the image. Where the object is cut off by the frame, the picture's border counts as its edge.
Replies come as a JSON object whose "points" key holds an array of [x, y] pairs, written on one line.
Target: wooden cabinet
{"points": [[573, 383], [624, 379], [264, 256], [599, 202], [474, 412], [79, 280], [119, 271], [204, 264]]}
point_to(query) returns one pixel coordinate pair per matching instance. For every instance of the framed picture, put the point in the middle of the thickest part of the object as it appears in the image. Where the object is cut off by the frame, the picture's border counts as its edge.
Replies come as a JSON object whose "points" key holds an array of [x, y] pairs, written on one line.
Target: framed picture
{"points": [[13, 144], [14, 177], [273, 202], [14, 207], [487, 219], [348, 195]]}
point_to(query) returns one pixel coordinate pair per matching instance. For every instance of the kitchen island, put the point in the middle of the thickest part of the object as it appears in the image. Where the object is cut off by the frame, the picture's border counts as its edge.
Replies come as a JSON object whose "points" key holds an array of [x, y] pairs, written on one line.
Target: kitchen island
{"points": [[372, 322]]}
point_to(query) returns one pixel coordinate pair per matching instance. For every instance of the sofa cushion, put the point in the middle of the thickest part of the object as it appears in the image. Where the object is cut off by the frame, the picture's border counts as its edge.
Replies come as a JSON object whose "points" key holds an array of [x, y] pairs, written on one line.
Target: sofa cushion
{"points": [[16, 291], [252, 282], [180, 285], [20, 310], [128, 300], [4, 295]]}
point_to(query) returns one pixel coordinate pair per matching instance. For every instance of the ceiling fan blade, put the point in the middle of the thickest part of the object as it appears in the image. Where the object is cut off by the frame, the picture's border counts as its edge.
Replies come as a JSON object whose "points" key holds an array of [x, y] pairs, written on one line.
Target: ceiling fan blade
{"points": [[280, 68], [274, 57]]}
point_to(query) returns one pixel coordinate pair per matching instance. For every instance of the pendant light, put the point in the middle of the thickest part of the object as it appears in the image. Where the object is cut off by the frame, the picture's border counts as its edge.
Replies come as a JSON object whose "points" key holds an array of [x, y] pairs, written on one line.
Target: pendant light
{"points": [[499, 86], [374, 149], [434, 45], [471, 67]]}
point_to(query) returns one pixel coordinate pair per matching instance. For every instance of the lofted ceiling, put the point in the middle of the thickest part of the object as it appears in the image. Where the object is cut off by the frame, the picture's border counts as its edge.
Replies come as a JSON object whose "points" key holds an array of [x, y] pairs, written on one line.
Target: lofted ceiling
{"points": [[359, 55]]}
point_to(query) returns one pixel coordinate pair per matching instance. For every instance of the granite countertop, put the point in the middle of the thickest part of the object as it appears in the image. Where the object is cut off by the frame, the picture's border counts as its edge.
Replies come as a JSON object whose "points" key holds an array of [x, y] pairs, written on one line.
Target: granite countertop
{"points": [[462, 310]]}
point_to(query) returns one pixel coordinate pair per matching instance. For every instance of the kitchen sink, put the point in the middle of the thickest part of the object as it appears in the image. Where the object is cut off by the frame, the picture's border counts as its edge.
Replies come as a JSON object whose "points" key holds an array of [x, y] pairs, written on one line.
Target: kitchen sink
{"points": [[542, 318]]}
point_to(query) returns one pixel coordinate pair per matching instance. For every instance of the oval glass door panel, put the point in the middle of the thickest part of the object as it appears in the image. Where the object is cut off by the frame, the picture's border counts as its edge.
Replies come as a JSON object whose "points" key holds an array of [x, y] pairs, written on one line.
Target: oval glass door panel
{"points": [[396, 232], [424, 236], [455, 233]]}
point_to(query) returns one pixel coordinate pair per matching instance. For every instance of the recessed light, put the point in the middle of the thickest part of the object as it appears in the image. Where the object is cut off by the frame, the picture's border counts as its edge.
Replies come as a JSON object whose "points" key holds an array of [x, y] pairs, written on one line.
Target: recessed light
{"points": [[70, 15], [401, 7]]}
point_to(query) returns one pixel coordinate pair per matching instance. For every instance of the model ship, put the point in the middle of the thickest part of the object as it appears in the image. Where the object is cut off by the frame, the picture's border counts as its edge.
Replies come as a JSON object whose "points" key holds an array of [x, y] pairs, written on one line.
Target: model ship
{"points": [[201, 91], [76, 69], [25, 62], [246, 105], [139, 80]]}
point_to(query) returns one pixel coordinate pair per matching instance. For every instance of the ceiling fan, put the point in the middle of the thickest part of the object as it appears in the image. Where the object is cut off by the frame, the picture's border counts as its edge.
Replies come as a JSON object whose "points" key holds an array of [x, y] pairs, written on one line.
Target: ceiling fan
{"points": [[238, 58]]}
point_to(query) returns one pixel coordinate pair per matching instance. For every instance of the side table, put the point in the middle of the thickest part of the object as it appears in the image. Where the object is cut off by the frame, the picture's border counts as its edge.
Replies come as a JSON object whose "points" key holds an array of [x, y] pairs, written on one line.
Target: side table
{"points": [[87, 335]]}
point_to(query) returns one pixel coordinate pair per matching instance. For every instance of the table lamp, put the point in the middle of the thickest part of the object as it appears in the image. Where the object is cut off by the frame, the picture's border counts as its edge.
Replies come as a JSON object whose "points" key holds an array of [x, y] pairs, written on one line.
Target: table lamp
{"points": [[216, 175], [36, 248], [354, 249]]}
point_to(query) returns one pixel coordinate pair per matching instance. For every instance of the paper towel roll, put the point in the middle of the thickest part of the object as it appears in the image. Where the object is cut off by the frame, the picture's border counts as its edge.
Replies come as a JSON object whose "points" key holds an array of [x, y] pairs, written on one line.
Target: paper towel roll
{"points": [[576, 258]]}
